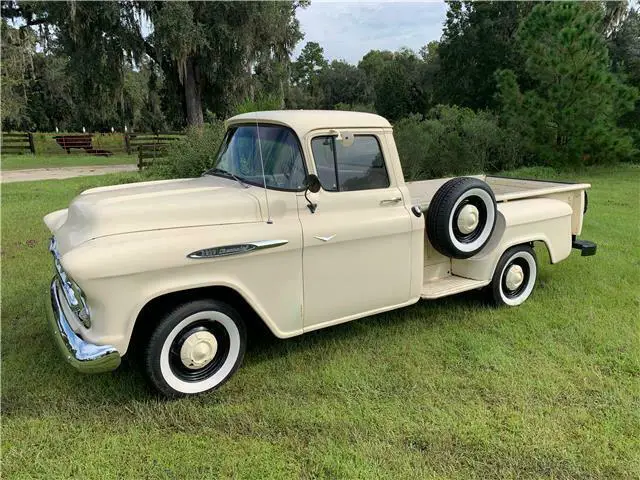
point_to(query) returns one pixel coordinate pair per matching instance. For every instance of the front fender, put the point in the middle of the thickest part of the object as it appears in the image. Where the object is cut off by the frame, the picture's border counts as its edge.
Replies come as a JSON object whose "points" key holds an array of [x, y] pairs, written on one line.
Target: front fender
{"points": [[121, 274]]}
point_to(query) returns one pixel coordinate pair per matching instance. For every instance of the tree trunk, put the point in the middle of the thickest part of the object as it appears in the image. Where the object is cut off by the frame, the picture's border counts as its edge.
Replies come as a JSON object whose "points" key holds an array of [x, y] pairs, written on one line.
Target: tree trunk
{"points": [[281, 92], [192, 93]]}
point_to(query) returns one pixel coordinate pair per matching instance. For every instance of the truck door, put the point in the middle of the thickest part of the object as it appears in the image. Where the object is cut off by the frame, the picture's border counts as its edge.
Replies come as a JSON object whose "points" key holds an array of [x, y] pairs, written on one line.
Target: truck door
{"points": [[357, 243]]}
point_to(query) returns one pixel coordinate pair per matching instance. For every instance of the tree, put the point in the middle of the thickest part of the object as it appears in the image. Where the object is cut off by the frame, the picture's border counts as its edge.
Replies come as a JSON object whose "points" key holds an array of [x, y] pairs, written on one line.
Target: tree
{"points": [[304, 89], [207, 51], [214, 47], [624, 49], [393, 99], [429, 52], [341, 82], [374, 61], [405, 85], [478, 38], [373, 64], [309, 64], [570, 115], [614, 13], [16, 70], [51, 102]]}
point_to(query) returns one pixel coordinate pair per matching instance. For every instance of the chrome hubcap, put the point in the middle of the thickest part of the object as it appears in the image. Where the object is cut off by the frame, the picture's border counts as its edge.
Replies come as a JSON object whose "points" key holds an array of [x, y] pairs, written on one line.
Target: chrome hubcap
{"points": [[515, 277], [468, 219], [198, 350]]}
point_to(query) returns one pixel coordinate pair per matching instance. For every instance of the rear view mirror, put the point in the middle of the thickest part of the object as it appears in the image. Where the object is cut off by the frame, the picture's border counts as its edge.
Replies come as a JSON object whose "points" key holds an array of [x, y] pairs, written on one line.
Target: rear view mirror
{"points": [[312, 182]]}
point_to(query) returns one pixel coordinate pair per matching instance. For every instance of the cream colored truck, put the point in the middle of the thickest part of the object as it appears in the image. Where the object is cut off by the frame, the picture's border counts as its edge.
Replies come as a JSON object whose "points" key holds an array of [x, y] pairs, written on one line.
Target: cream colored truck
{"points": [[305, 222]]}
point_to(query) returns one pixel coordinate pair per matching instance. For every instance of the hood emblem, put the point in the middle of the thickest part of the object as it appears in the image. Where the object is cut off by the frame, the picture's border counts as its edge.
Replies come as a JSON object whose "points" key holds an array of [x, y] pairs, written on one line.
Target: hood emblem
{"points": [[237, 249]]}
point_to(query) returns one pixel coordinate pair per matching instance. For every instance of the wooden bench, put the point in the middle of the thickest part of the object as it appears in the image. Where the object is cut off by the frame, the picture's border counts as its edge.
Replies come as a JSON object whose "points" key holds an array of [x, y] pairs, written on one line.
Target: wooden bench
{"points": [[17, 143], [151, 148], [82, 141]]}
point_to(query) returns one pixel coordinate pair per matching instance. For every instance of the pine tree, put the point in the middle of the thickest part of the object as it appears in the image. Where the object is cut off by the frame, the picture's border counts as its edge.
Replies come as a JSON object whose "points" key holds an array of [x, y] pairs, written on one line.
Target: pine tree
{"points": [[570, 115]]}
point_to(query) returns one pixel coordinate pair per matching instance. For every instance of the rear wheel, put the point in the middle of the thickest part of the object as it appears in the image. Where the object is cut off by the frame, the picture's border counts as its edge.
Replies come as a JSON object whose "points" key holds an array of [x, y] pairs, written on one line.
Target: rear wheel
{"points": [[515, 276], [195, 348]]}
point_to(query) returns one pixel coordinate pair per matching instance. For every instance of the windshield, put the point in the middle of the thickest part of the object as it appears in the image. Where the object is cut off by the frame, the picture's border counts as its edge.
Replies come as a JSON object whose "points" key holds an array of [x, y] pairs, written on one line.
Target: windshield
{"points": [[239, 157]]}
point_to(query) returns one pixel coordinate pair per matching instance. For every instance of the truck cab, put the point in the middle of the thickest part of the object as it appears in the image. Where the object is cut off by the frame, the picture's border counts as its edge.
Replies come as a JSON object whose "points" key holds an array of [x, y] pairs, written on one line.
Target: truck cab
{"points": [[304, 221]]}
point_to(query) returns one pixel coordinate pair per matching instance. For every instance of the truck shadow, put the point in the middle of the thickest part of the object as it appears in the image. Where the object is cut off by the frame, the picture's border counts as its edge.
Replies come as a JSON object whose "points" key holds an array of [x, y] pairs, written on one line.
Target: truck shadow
{"points": [[264, 346]]}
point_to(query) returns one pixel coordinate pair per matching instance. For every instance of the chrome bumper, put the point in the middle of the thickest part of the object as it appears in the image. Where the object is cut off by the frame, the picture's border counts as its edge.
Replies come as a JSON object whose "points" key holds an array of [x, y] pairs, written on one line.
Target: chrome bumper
{"points": [[85, 357]]}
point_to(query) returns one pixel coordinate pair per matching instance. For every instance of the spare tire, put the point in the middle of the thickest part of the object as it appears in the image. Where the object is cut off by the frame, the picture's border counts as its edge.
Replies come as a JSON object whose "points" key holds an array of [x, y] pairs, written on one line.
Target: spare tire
{"points": [[461, 217]]}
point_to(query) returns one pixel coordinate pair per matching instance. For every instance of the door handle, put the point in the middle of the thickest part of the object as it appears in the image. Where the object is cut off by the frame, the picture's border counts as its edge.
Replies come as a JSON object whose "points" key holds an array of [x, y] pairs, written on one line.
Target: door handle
{"points": [[390, 201]]}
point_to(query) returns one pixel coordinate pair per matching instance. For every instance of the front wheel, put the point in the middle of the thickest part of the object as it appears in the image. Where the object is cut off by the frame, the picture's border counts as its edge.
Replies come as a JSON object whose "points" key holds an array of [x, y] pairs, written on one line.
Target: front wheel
{"points": [[514, 277], [195, 348]]}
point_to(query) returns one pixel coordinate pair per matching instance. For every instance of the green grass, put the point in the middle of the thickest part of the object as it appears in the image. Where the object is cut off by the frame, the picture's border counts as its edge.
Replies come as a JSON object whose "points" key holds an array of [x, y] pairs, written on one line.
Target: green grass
{"points": [[443, 389], [75, 159]]}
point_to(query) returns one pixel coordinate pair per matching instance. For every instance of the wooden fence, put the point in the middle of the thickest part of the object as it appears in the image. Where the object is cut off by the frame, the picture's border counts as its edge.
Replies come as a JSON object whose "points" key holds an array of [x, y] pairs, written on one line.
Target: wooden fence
{"points": [[17, 143], [151, 148], [148, 147]]}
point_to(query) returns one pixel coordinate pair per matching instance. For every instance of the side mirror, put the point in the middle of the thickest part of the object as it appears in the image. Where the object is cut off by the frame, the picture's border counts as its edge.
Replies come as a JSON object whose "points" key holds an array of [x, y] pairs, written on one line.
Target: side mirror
{"points": [[312, 182]]}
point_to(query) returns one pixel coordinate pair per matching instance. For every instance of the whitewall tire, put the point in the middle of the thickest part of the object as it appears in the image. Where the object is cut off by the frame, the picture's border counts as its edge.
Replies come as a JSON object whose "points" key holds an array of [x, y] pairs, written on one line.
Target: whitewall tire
{"points": [[515, 276], [195, 348], [461, 217]]}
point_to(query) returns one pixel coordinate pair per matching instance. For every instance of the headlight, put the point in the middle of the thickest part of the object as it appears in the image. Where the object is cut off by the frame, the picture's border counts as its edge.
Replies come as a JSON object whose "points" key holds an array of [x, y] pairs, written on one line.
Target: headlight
{"points": [[72, 291]]}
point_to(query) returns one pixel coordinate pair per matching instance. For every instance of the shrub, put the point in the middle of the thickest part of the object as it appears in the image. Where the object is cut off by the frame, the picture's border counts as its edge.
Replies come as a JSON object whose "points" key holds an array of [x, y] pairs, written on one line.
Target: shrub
{"points": [[454, 141], [449, 141], [259, 103], [194, 154], [356, 107]]}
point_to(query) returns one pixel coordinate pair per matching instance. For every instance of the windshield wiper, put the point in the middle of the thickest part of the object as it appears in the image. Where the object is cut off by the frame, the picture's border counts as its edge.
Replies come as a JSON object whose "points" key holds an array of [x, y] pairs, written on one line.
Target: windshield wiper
{"points": [[224, 173]]}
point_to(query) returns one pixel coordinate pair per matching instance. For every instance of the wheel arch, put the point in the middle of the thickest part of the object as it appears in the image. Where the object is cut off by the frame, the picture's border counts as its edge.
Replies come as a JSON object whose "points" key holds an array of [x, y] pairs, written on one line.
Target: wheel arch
{"points": [[531, 242], [154, 308]]}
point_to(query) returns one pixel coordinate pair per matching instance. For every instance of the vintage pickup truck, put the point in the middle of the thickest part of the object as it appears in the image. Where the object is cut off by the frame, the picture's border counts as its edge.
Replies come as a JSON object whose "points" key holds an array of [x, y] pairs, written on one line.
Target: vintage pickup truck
{"points": [[304, 222]]}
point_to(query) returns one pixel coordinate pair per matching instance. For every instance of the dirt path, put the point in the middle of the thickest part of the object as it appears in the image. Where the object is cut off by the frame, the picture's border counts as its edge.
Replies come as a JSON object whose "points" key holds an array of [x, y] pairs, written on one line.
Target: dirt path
{"points": [[61, 172]]}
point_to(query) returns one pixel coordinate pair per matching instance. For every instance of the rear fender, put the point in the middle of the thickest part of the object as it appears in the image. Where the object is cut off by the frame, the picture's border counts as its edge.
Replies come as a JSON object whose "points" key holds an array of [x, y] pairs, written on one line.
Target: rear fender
{"points": [[520, 222]]}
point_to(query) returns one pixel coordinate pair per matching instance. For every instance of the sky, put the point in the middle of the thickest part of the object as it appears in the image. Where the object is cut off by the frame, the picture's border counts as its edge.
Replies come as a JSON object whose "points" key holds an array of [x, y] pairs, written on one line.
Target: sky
{"points": [[348, 30]]}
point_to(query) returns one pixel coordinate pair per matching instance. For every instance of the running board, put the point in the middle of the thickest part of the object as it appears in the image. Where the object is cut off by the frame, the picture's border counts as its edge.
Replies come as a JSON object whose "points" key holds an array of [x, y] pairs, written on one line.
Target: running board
{"points": [[442, 287]]}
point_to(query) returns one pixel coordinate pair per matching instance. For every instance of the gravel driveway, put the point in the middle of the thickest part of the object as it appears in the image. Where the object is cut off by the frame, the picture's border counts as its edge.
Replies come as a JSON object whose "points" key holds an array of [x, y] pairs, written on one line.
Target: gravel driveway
{"points": [[61, 172]]}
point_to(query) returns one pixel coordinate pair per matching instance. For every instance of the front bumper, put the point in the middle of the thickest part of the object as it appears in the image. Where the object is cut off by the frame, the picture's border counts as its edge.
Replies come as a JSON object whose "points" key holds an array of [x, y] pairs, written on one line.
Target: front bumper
{"points": [[85, 357]]}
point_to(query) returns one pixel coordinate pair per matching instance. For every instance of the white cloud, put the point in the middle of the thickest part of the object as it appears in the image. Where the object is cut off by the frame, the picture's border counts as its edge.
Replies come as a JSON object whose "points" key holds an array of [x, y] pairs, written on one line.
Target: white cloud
{"points": [[349, 30]]}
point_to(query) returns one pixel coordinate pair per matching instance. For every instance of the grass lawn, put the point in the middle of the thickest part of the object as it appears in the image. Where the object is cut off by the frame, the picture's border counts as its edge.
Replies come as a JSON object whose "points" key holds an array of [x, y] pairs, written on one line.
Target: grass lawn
{"points": [[75, 159], [443, 389]]}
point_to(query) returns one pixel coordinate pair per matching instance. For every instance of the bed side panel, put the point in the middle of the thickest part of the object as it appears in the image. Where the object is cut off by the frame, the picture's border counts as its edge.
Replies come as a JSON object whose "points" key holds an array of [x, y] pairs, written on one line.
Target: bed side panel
{"points": [[522, 221]]}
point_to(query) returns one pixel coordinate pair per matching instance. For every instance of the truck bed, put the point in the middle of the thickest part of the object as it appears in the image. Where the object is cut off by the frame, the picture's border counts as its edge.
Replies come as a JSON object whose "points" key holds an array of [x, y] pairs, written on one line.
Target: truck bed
{"points": [[504, 188]]}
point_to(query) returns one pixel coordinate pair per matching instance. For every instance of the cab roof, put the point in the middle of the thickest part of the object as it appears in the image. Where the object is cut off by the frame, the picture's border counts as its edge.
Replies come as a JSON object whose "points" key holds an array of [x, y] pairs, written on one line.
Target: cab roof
{"points": [[304, 121]]}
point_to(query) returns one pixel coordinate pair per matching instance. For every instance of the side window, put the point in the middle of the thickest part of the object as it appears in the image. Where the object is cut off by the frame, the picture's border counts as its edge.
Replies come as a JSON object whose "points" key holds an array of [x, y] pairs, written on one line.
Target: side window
{"points": [[359, 166]]}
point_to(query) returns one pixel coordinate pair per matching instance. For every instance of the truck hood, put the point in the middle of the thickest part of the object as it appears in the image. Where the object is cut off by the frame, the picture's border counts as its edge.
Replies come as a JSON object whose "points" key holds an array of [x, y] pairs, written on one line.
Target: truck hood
{"points": [[144, 206]]}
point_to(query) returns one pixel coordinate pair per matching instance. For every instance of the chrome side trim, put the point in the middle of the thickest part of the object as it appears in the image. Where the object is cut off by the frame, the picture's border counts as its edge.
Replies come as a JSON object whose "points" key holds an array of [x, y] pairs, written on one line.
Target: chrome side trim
{"points": [[84, 356], [325, 239], [236, 249]]}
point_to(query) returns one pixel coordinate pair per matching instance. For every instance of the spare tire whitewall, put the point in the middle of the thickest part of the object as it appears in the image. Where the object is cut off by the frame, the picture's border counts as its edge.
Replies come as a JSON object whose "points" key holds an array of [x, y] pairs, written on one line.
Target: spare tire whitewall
{"points": [[195, 348], [515, 276], [461, 217], [471, 220]]}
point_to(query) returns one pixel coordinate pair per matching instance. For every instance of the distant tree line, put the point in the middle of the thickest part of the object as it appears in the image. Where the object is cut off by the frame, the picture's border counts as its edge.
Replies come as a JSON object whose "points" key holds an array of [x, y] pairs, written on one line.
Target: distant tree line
{"points": [[557, 81]]}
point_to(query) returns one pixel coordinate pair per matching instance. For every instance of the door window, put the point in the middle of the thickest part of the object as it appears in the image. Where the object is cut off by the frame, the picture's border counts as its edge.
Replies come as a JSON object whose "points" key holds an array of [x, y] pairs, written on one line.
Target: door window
{"points": [[359, 166]]}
